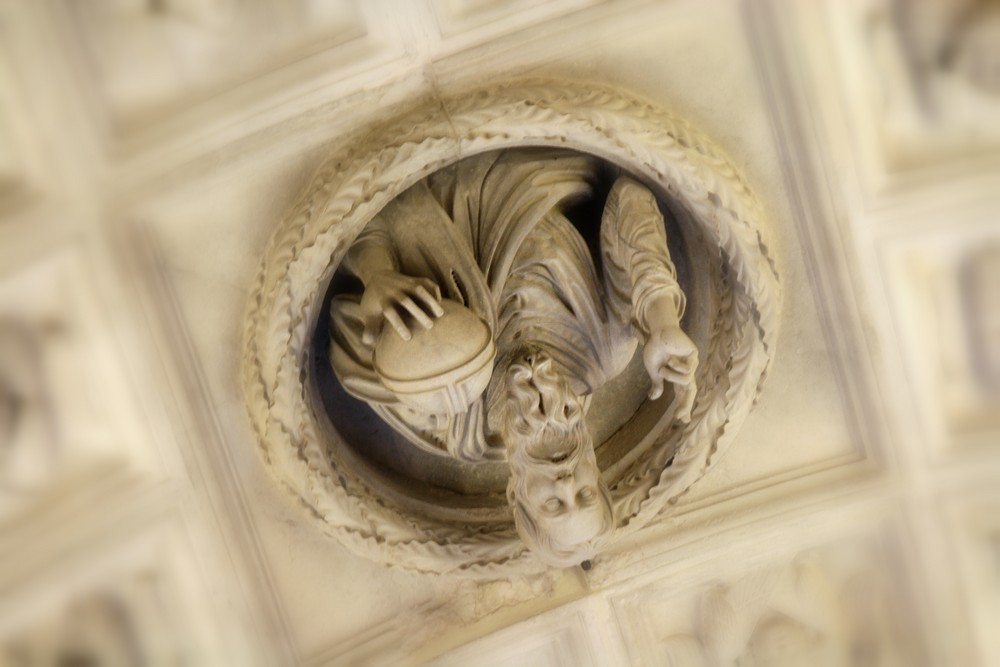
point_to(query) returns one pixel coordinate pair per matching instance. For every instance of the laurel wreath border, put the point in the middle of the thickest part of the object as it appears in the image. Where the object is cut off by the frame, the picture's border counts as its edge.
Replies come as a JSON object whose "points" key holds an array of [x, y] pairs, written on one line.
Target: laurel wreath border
{"points": [[373, 168]]}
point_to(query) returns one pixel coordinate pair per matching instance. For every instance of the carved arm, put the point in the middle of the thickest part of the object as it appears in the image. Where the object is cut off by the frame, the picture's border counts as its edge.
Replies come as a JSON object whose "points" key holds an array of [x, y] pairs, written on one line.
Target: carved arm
{"points": [[389, 295], [637, 265], [638, 272]]}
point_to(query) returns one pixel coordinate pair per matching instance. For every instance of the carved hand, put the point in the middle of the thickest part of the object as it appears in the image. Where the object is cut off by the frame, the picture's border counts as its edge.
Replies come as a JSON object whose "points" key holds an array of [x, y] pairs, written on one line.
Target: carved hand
{"points": [[670, 355], [389, 294]]}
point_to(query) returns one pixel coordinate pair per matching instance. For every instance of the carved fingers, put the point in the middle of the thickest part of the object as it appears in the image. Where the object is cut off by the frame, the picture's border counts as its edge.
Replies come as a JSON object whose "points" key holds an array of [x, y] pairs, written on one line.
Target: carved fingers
{"points": [[670, 356], [413, 309], [401, 301], [393, 318], [684, 396]]}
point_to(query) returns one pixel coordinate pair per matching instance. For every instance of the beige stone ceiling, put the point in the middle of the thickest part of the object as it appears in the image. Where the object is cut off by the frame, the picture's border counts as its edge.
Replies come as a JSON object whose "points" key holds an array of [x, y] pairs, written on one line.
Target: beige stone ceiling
{"points": [[148, 149]]}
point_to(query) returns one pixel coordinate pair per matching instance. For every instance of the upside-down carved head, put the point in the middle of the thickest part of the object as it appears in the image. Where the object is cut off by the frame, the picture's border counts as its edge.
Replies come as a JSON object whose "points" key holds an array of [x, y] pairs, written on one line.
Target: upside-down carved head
{"points": [[562, 508]]}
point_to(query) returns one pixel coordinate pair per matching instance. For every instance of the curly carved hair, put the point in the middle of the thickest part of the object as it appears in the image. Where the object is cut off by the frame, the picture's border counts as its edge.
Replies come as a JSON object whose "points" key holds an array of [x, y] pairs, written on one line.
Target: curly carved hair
{"points": [[525, 379]]}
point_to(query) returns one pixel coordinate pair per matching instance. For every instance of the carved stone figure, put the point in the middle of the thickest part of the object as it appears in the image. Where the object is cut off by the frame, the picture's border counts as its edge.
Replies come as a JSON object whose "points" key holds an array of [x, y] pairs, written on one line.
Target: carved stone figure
{"points": [[491, 232], [500, 328]]}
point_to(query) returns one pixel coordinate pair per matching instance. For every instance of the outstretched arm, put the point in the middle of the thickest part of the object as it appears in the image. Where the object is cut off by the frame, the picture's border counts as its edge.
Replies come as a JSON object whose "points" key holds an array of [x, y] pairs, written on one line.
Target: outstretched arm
{"points": [[638, 272]]}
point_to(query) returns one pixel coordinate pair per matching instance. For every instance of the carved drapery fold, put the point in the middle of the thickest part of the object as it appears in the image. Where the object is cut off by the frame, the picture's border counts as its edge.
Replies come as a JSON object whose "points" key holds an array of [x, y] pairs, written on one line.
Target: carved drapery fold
{"points": [[723, 224]]}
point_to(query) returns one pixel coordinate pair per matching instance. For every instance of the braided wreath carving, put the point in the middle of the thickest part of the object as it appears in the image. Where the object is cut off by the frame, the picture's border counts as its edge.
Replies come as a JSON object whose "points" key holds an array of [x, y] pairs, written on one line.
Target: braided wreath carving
{"points": [[722, 227]]}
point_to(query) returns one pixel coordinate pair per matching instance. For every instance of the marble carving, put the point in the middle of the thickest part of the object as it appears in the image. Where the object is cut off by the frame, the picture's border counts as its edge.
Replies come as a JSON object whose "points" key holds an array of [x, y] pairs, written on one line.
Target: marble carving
{"points": [[491, 335], [499, 328]]}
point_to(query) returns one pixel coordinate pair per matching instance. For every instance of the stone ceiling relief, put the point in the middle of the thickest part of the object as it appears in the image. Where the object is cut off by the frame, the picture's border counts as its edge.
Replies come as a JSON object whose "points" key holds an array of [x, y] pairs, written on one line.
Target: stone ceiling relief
{"points": [[735, 321], [211, 227], [865, 131]]}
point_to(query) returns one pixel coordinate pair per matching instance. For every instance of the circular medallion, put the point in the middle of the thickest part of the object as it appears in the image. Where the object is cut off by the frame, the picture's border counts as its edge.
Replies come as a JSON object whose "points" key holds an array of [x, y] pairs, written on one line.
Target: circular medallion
{"points": [[401, 505]]}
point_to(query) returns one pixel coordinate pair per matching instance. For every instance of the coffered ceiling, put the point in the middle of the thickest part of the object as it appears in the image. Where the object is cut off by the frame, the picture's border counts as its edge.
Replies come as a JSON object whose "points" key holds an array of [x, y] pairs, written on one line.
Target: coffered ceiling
{"points": [[149, 149]]}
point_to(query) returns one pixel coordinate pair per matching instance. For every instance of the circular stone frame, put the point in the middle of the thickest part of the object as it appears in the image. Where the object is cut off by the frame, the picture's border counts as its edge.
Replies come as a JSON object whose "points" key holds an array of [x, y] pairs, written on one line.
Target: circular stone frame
{"points": [[742, 302]]}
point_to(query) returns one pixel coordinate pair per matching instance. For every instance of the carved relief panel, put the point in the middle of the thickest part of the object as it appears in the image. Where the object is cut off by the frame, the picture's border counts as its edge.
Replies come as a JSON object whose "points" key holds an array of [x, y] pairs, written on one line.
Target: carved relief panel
{"points": [[54, 363], [142, 600], [925, 73], [950, 283], [469, 315], [153, 57], [504, 332], [836, 605]]}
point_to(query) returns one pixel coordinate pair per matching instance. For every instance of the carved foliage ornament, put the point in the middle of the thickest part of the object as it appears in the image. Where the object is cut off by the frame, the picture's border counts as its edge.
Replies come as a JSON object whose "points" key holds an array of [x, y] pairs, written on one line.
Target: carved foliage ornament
{"points": [[646, 462]]}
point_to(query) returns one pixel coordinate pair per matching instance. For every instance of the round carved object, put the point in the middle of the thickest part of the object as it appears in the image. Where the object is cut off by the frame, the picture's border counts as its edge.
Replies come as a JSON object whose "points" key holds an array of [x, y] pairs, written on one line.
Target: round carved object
{"points": [[448, 365], [647, 458]]}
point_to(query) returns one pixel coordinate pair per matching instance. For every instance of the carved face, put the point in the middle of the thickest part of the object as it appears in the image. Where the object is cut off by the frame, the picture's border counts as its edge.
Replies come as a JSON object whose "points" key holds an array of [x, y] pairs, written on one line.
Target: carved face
{"points": [[562, 509], [566, 502]]}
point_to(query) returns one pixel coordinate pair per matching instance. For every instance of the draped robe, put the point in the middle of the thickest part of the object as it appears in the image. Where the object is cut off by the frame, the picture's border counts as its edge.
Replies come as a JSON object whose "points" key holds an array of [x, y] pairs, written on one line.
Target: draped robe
{"points": [[492, 233]]}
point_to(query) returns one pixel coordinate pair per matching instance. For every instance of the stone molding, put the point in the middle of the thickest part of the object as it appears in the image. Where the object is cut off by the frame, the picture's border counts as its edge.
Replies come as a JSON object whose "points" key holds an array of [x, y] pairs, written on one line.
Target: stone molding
{"points": [[374, 167]]}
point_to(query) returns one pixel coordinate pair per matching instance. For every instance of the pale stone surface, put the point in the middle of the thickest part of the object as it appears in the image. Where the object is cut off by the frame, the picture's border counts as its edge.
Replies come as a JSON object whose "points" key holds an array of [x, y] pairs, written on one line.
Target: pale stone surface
{"points": [[523, 315], [654, 458], [871, 451]]}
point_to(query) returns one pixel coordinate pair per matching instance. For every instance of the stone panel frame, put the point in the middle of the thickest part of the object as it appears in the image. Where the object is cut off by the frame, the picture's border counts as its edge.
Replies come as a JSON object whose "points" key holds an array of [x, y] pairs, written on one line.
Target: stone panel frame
{"points": [[736, 342]]}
